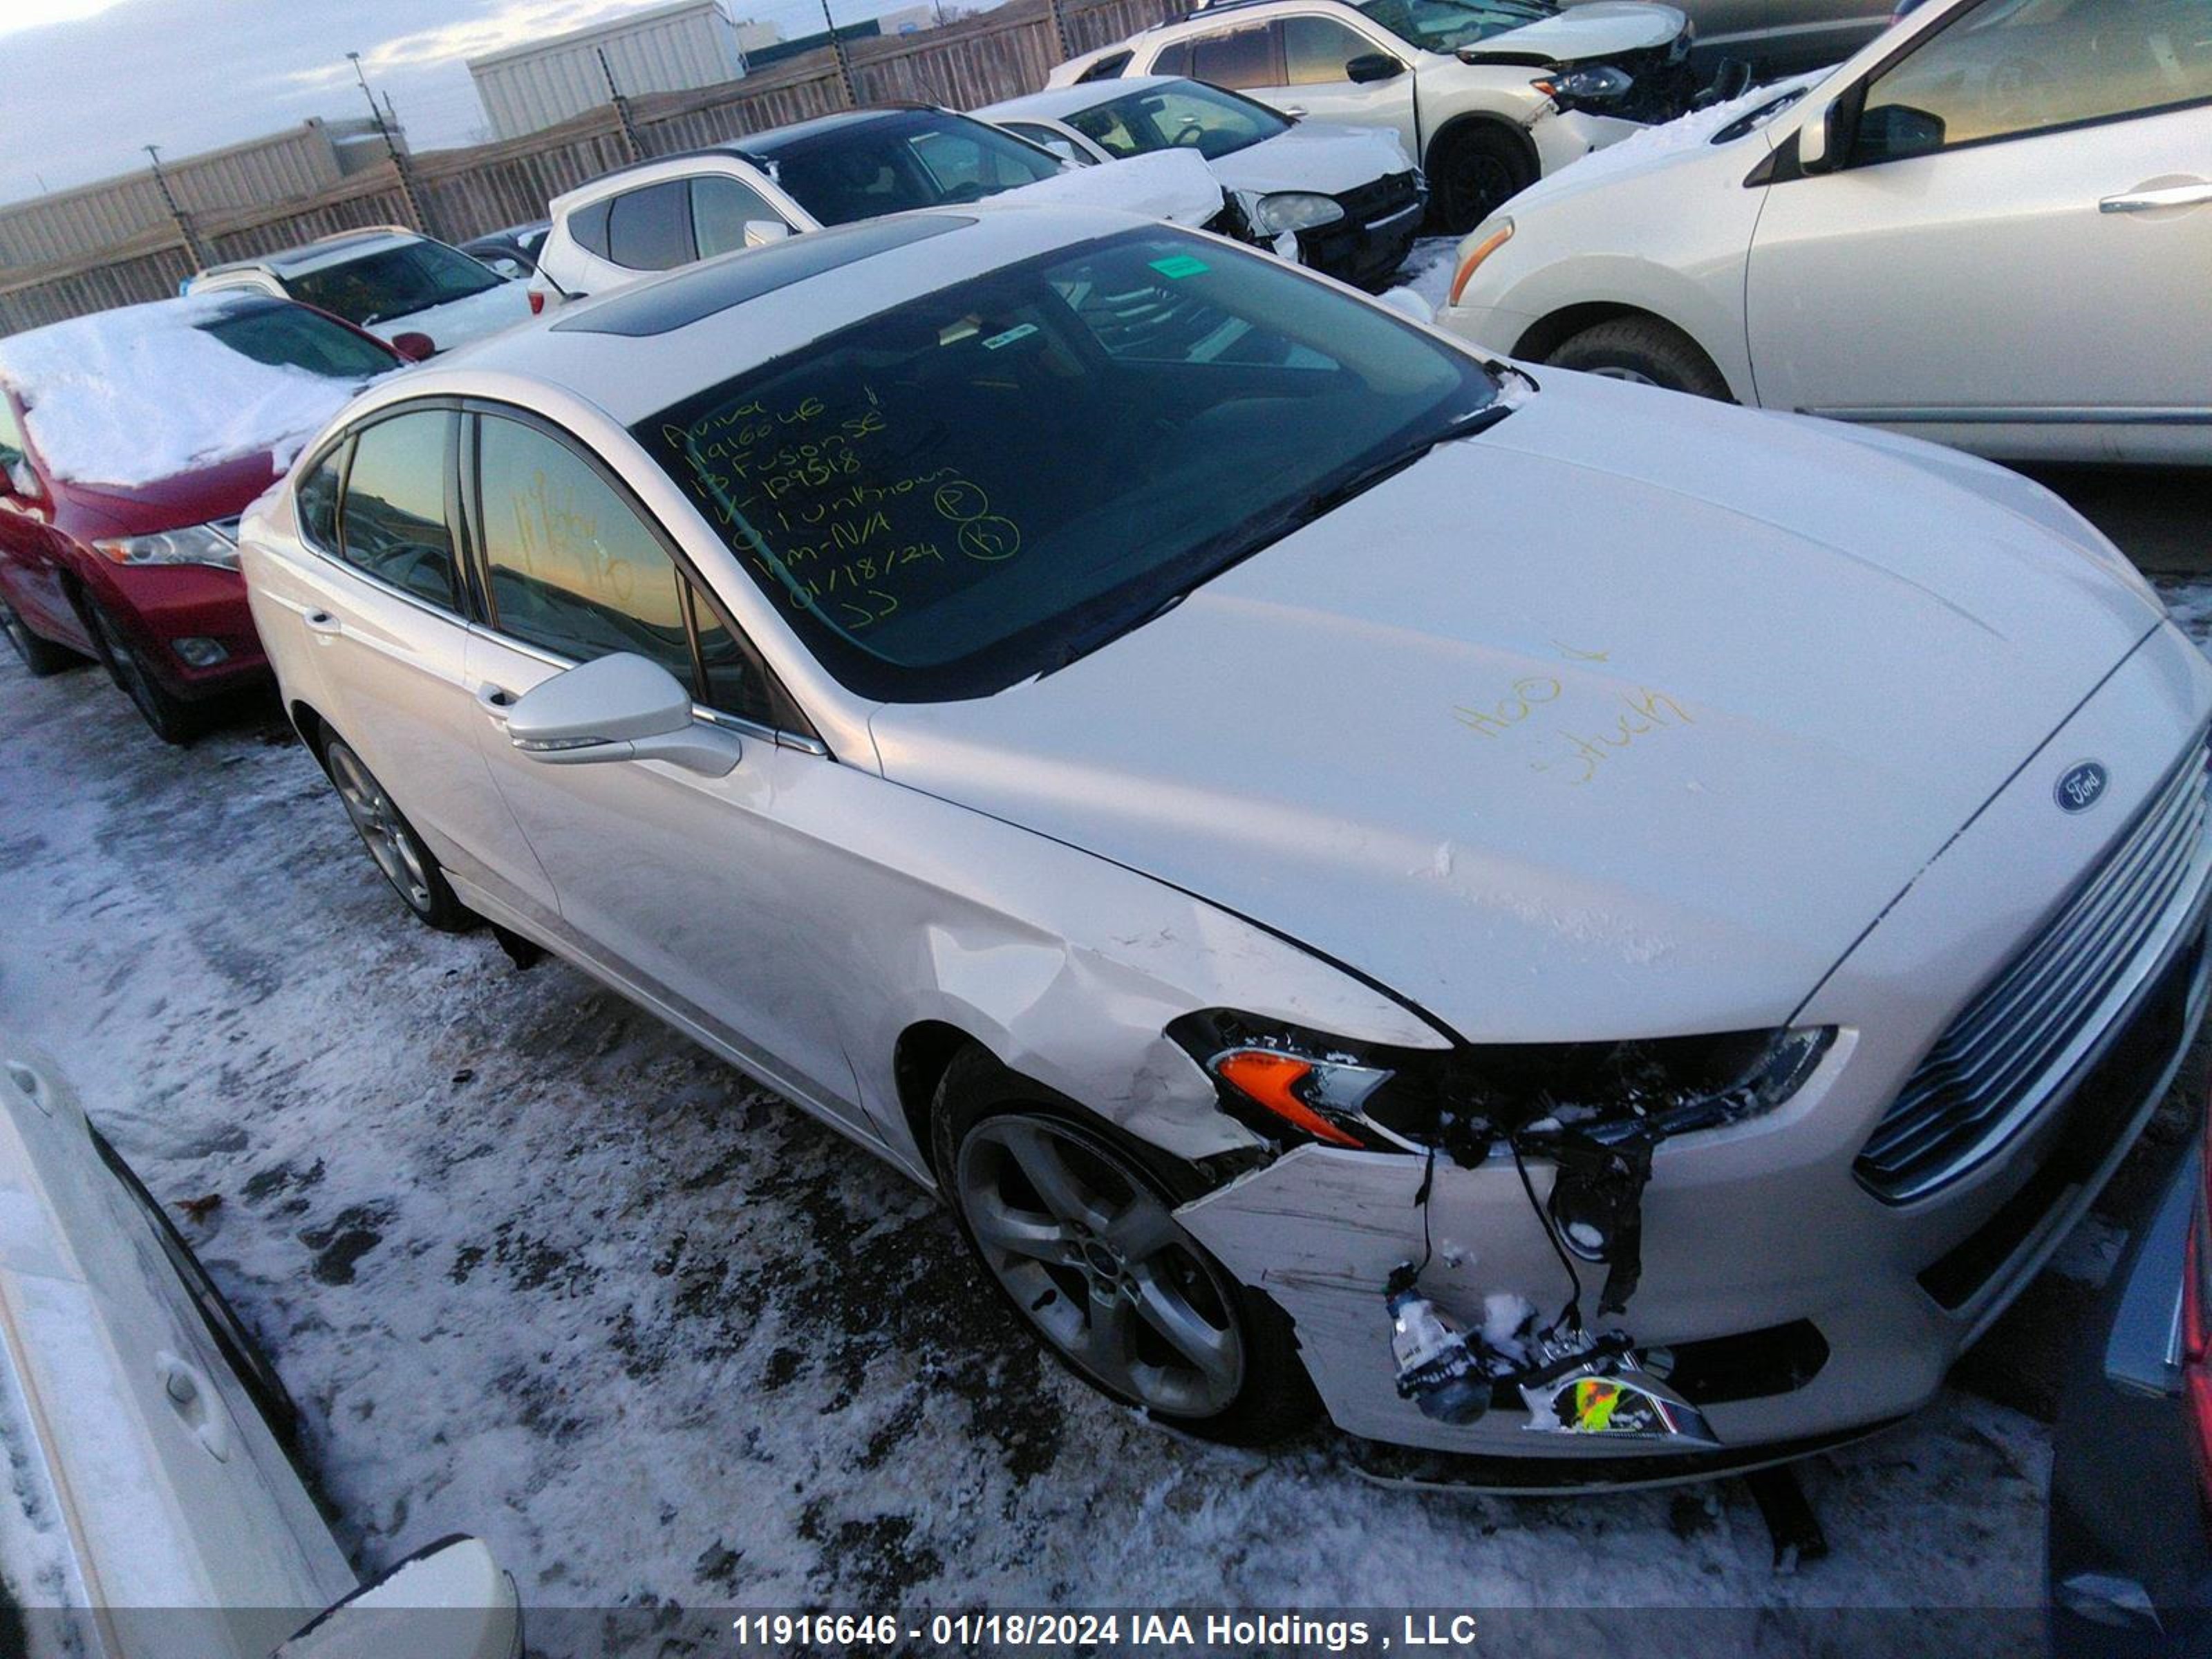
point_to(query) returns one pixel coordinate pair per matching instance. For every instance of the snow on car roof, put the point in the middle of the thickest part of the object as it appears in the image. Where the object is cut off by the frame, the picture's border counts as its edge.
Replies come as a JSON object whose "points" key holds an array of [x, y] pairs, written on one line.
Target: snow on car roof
{"points": [[1054, 102], [125, 398]]}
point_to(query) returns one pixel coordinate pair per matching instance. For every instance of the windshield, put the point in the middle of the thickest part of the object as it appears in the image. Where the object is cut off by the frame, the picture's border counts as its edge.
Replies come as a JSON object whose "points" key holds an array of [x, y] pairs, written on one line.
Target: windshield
{"points": [[394, 283], [911, 159], [1447, 25], [292, 337], [1182, 114], [953, 494]]}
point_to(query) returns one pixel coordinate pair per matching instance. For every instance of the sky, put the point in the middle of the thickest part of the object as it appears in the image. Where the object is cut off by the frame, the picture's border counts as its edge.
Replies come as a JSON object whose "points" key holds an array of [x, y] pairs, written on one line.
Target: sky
{"points": [[87, 82]]}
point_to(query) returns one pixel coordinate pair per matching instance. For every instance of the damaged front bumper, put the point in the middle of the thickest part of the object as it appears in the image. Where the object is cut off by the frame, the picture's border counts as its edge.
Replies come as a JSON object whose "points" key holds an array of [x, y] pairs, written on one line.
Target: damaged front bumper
{"points": [[1797, 1306]]}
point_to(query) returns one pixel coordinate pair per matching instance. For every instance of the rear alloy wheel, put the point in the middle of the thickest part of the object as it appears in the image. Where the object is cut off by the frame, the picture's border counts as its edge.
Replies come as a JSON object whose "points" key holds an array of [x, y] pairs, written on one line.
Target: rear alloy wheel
{"points": [[1646, 351], [173, 719], [405, 860], [1481, 169], [1081, 1237], [41, 657]]}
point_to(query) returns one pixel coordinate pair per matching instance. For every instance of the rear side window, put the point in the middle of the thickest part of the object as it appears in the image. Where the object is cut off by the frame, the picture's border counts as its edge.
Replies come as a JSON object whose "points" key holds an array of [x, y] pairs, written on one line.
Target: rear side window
{"points": [[318, 499], [1107, 68], [588, 225], [393, 524], [1236, 58], [720, 208], [650, 230]]}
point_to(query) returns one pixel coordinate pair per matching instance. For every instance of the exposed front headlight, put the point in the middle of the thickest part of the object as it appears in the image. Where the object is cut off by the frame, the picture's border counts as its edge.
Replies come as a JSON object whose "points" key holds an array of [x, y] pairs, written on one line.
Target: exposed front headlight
{"points": [[1296, 209], [1294, 1085], [199, 543], [1592, 84]]}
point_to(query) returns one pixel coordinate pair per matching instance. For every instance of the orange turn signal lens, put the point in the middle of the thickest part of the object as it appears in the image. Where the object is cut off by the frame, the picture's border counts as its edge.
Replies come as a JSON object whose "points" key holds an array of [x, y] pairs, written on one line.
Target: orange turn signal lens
{"points": [[1270, 1080], [1488, 245]]}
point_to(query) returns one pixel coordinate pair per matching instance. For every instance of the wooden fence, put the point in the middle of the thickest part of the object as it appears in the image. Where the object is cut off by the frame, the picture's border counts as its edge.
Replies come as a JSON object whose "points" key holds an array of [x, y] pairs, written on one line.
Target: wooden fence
{"points": [[463, 194]]}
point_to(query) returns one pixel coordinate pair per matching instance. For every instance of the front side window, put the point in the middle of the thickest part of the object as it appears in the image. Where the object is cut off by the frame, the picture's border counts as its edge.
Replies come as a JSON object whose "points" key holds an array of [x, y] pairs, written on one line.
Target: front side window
{"points": [[572, 569], [650, 230], [394, 283], [292, 337], [721, 207], [1316, 49], [1185, 115], [1447, 25], [1245, 56], [2010, 68], [911, 159], [392, 525], [952, 495]]}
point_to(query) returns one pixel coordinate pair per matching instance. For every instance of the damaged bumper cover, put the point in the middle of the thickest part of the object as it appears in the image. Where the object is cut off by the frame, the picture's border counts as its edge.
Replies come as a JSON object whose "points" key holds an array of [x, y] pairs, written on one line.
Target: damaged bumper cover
{"points": [[1792, 1304]]}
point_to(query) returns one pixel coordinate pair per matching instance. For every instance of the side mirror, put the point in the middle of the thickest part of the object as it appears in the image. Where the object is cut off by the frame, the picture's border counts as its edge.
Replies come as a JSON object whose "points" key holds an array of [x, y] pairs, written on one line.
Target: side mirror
{"points": [[451, 1600], [413, 347], [1824, 136], [617, 709], [1373, 66], [759, 233]]}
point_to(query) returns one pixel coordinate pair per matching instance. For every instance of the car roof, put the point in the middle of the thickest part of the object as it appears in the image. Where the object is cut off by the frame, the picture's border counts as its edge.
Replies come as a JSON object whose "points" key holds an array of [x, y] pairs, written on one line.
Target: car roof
{"points": [[1055, 103], [643, 347], [757, 147], [318, 254]]}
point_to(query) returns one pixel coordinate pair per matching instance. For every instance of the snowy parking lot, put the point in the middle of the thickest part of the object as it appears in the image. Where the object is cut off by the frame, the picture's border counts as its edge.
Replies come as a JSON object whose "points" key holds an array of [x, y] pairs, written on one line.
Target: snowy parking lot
{"points": [[538, 1269]]}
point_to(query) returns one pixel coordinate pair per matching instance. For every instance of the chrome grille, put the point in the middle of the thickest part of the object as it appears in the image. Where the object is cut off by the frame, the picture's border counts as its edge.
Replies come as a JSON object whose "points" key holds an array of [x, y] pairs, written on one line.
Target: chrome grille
{"points": [[2019, 1040]]}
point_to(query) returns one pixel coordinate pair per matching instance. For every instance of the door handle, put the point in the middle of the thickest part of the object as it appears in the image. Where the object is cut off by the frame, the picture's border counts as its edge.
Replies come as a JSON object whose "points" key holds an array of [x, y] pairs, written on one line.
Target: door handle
{"points": [[321, 621], [496, 701], [193, 1399], [2166, 196]]}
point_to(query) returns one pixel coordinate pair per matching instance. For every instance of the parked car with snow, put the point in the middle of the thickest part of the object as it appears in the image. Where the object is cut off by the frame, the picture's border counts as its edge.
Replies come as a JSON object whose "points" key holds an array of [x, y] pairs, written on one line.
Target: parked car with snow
{"points": [[833, 170], [1906, 242], [153, 1509], [131, 441], [1221, 850], [390, 281], [1344, 200], [1488, 95]]}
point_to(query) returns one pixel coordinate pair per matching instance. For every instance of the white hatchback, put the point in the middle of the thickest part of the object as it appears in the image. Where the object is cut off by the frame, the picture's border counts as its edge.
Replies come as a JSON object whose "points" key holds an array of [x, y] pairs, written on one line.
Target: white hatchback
{"points": [[1991, 228]]}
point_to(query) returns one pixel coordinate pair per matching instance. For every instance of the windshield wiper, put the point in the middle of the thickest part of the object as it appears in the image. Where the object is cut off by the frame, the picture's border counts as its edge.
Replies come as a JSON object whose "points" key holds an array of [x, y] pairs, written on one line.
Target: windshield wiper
{"points": [[1273, 526]]}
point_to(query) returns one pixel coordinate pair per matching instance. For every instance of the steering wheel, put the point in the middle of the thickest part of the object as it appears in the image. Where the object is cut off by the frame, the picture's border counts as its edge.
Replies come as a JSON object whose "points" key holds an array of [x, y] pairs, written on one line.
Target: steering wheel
{"points": [[1189, 136]]}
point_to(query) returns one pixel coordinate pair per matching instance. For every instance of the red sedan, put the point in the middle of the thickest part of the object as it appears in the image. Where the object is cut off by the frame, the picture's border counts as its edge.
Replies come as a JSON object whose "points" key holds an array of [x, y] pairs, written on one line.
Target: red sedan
{"points": [[130, 441]]}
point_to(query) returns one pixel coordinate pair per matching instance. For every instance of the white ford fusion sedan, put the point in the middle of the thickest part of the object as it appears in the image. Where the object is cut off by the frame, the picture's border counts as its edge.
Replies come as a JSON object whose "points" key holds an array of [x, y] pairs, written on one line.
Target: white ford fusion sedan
{"points": [[1561, 922], [1990, 228]]}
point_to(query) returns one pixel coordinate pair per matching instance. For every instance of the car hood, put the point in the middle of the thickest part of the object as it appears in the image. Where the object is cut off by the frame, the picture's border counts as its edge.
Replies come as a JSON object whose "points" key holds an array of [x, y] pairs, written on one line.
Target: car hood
{"points": [[1176, 185], [1598, 29], [1315, 156], [1626, 717], [207, 494], [462, 322]]}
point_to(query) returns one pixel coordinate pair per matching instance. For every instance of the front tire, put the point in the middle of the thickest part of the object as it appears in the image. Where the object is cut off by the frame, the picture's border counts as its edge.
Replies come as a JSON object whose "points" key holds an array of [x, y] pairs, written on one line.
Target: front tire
{"points": [[1075, 1223], [402, 857], [1475, 170], [1647, 351], [172, 719], [40, 657]]}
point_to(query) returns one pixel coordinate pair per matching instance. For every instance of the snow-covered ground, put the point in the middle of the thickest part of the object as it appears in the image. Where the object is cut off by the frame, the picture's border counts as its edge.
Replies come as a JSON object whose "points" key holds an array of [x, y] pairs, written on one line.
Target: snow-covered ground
{"points": [[538, 1268]]}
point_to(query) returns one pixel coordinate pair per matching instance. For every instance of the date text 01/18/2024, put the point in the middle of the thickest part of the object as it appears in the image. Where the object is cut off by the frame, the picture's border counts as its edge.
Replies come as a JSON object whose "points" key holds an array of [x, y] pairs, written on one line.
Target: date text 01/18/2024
{"points": [[1115, 1630]]}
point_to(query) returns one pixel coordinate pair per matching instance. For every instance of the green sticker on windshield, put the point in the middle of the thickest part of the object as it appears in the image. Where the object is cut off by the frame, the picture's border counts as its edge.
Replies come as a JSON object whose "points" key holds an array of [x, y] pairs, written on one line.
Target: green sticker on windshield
{"points": [[1179, 264]]}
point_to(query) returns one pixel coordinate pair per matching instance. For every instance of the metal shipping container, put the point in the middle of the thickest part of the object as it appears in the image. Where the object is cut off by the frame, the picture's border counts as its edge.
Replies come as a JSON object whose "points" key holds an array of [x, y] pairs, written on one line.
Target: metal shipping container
{"points": [[673, 48]]}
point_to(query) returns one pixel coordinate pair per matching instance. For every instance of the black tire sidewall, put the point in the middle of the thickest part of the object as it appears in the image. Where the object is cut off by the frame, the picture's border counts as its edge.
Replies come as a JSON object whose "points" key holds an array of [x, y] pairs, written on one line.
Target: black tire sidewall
{"points": [[168, 716], [1649, 349], [1277, 1397], [1464, 156]]}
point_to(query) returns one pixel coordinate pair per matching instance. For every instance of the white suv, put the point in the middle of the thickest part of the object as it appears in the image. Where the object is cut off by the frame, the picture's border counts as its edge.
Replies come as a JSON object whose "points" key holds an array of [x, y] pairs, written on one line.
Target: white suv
{"points": [[386, 280], [1487, 96]]}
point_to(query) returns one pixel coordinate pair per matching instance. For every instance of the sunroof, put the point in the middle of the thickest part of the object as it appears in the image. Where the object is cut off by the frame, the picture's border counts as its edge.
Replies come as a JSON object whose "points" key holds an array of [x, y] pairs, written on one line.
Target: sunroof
{"points": [[663, 307]]}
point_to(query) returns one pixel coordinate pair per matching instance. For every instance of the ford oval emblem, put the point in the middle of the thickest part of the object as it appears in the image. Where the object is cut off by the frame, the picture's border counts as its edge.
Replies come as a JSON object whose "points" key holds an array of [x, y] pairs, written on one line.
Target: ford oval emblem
{"points": [[2082, 787]]}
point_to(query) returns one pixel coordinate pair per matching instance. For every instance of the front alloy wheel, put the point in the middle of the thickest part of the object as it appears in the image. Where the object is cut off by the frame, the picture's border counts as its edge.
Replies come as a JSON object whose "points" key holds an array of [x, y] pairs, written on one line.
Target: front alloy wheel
{"points": [[1089, 1252]]}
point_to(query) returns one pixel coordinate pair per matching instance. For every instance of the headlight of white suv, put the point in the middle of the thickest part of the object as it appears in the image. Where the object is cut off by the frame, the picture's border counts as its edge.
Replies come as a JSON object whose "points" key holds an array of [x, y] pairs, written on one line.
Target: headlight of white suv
{"points": [[1296, 209], [200, 543]]}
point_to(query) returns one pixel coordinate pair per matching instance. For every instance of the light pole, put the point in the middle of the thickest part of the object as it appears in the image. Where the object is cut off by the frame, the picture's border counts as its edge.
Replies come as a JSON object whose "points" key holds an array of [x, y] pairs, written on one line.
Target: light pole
{"points": [[390, 146], [184, 220]]}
